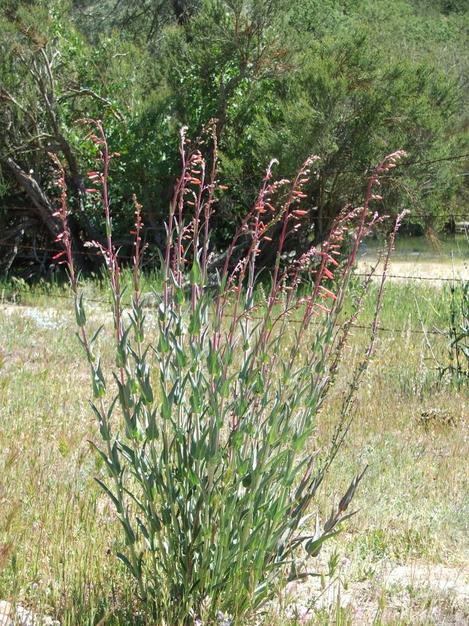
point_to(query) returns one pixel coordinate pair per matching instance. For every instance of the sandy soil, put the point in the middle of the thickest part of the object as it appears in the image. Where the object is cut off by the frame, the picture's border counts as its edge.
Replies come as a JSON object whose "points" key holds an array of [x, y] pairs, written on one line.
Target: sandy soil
{"points": [[433, 271], [430, 594]]}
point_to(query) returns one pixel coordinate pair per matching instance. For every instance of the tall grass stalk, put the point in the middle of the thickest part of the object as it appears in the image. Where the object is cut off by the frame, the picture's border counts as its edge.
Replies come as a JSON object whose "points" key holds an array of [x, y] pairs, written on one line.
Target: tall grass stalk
{"points": [[207, 428]]}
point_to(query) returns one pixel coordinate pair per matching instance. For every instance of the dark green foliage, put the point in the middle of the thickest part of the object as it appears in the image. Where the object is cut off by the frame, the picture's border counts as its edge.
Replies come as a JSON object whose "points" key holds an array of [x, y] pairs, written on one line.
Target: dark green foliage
{"points": [[346, 80]]}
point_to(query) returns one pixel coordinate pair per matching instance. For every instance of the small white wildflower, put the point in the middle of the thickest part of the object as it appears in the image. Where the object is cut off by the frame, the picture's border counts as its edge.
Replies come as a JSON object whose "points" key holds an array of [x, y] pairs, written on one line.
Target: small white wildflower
{"points": [[224, 620]]}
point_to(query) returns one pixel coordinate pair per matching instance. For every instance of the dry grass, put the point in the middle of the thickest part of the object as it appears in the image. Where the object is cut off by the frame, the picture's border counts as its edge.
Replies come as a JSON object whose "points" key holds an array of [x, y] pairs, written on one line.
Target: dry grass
{"points": [[57, 534]]}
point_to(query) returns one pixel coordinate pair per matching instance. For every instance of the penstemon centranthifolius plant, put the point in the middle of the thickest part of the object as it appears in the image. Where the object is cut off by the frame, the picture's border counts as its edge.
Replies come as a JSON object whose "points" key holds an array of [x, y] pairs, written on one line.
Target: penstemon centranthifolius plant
{"points": [[206, 425]]}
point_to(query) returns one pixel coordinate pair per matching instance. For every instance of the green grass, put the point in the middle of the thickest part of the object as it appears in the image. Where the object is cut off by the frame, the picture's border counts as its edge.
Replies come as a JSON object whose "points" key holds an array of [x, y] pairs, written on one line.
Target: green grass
{"points": [[57, 289], [58, 535]]}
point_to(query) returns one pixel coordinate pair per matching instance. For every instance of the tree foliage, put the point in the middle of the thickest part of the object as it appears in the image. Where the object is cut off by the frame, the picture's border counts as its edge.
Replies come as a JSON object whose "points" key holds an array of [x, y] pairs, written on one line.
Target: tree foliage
{"points": [[346, 80]]}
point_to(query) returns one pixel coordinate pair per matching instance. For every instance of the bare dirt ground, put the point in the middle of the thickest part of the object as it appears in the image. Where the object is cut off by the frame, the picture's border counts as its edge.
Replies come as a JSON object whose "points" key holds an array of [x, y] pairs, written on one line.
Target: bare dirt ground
{"points": [[417, 269], [420, 592]]}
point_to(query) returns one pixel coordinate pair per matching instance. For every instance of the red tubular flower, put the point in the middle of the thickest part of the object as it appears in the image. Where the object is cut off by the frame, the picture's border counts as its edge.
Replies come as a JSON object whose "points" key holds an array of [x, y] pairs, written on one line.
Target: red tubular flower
{"points": [[328, 293], [322, 307]]}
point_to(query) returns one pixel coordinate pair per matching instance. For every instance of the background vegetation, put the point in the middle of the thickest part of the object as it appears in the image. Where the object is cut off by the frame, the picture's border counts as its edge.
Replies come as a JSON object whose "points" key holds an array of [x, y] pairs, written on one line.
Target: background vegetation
{"points": [[347, 80]]}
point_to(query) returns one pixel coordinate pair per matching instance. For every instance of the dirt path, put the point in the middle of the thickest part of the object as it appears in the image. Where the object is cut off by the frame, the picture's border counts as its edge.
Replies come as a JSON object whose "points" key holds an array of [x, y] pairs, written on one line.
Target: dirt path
{"points": [[432, 271]]}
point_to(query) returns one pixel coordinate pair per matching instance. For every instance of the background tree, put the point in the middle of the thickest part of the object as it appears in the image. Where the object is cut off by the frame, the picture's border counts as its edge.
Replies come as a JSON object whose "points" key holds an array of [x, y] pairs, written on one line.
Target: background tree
{"points": [[346, 80]]}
